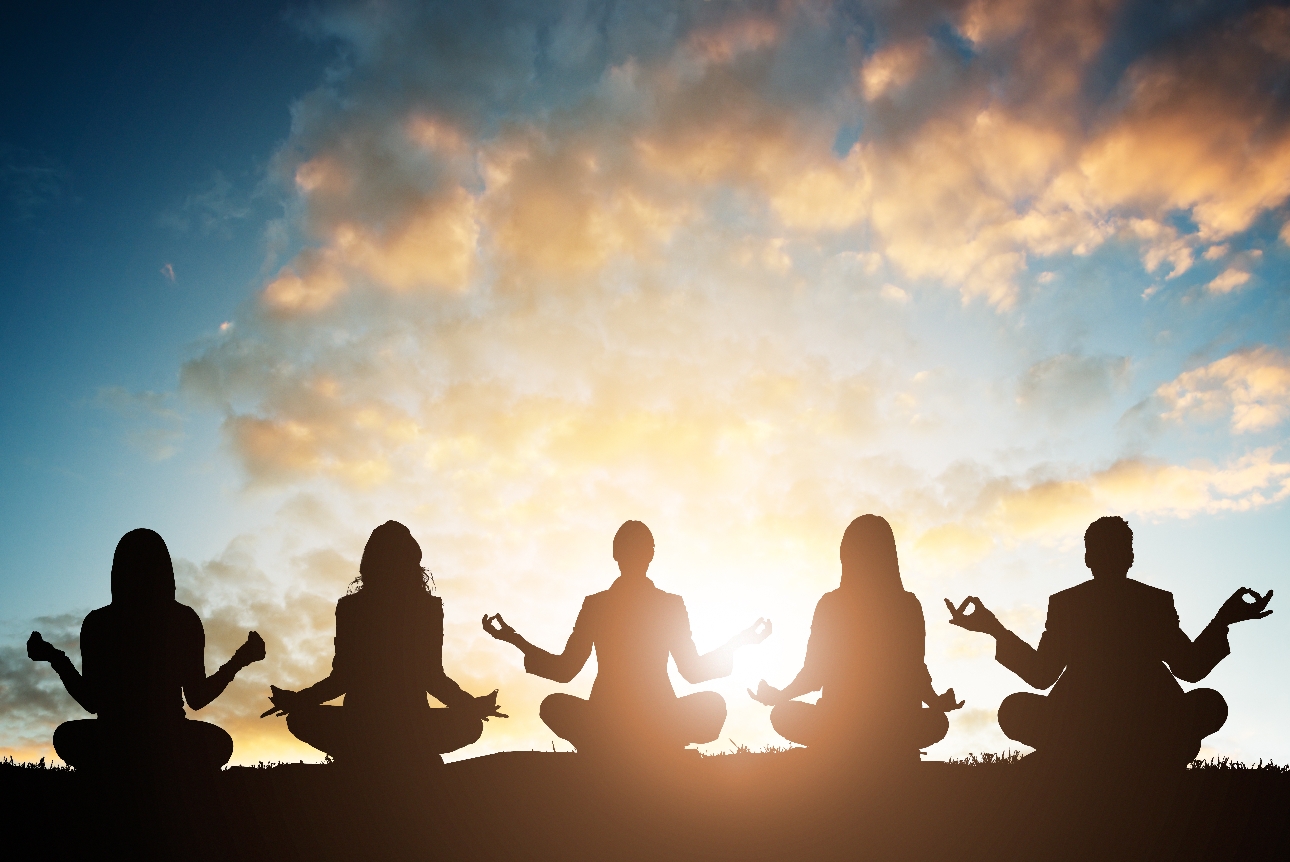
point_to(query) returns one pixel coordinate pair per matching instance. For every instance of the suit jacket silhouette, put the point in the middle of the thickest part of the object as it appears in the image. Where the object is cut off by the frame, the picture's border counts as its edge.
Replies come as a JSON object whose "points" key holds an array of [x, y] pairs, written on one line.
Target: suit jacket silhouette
{"points": [[634, 626], [1116, 646], [389, 653]]}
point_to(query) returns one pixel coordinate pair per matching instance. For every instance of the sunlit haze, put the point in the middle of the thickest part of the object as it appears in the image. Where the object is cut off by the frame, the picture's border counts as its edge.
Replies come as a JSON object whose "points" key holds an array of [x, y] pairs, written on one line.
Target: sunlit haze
{"points": [[514, 273]]}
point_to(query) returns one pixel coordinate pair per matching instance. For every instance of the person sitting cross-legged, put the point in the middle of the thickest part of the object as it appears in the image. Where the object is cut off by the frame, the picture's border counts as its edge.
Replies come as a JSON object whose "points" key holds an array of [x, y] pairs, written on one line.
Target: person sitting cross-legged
{"points": [[866, 653], [142, 658], [389, 654], [634, 627], [1113, 646]]}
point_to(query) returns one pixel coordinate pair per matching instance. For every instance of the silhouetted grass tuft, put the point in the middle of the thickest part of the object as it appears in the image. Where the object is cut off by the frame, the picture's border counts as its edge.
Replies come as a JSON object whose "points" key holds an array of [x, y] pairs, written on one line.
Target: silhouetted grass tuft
{"points": [[740, 748], [1228, 763], [23, 764], [987, 758]]}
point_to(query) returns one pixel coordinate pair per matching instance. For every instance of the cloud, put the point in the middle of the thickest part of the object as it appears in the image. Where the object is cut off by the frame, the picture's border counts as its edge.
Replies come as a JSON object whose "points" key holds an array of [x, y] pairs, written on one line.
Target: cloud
{"points": [[1250, 388], [156, 424], [212, 209], [1070, 383], [32, 699]]}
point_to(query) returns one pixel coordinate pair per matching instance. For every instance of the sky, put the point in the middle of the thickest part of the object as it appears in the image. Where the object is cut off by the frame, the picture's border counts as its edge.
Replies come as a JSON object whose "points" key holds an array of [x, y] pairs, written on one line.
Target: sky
{"points": [[513, 273]]}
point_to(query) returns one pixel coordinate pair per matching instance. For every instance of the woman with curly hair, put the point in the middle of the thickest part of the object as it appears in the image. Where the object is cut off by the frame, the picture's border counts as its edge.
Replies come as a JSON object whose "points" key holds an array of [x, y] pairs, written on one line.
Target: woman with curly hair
{"points": [[389, 654]]}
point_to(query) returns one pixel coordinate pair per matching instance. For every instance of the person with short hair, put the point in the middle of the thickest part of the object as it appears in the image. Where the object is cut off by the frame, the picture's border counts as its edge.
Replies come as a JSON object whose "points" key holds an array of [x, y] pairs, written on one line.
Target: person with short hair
{"points": [[142, 657], [866, 652], [633, 626], [389, 655], [1115, 650]]}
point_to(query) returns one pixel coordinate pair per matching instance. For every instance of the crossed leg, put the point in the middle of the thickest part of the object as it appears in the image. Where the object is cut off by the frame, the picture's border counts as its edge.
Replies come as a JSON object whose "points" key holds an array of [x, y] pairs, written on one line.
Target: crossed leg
{"points": [[695, 718]]}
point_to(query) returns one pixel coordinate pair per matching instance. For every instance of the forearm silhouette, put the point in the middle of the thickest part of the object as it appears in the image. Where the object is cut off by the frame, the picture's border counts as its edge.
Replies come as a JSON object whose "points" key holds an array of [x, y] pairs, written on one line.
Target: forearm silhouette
{"points": [[39, 649], [200, 689]]}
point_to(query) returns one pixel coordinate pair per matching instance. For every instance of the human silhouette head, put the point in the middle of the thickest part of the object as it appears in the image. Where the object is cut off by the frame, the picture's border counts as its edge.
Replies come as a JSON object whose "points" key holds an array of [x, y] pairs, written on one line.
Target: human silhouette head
{"points": [[142, 573], [1108, 547], [868, 555], [391, 559], [633, 548]]}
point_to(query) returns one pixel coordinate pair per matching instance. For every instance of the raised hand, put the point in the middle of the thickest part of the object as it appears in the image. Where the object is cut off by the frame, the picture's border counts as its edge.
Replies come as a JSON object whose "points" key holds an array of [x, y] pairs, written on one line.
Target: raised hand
{"points": [[754, 634], [1237, 610], [39, 649], [981, 619], [766, 694], [486, 706], [946, 703], [251, 651], [283, 700], [497, 627]]}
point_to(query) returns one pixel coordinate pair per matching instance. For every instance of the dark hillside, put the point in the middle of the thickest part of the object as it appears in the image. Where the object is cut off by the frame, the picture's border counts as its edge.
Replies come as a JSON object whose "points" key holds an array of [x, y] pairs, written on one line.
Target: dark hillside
{"points": [[534, 805]]}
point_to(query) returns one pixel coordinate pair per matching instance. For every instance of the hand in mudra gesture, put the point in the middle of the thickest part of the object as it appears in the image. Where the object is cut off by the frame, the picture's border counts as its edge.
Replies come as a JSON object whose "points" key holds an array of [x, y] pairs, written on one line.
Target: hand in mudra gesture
{"points": [[766, 694], [754, 634], [946, 702], [486, 706], [283, 700], [39, 649], [251, 651], [981, 619], [497, 627], [1237, 610]]}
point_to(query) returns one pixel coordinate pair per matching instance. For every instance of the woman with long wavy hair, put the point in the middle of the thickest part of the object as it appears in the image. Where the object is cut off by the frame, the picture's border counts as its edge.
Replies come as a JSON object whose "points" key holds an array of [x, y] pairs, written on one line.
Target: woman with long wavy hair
{"points": [[866, 653], [389, 654]]}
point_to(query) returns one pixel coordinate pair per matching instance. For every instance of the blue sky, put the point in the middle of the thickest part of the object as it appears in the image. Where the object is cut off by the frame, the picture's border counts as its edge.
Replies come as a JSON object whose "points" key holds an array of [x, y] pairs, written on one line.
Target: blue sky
{"points": [[515, 273]]}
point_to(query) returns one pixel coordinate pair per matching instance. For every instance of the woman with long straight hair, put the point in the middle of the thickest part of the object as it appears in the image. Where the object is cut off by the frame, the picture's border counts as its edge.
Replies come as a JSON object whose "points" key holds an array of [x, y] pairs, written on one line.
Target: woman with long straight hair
{"points": [[142, 658], [866, 654], [389, 655]]}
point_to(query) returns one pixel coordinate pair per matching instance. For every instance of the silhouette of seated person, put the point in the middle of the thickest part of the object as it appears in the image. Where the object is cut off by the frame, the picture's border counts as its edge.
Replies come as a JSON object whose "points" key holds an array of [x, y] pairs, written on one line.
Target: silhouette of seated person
{"points": [[865, 654], [634, 627], [1113, 646], [389, 655], [142, 657]]}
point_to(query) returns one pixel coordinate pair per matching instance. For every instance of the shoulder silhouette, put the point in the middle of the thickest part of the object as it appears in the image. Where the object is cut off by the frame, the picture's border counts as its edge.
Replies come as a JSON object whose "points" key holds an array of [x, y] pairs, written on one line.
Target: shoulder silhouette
{"points": [[389, 655], [865, 655], [1115, 651], [141, 658], [633, 626]]}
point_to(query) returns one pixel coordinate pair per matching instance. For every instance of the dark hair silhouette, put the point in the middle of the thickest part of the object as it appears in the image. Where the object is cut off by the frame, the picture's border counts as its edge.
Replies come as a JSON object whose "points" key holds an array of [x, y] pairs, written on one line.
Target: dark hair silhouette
{"points": [[142, 572], [1108, 547], [633, 627], [1113, 652], [389, 655], [868, 556], [143, 657], [392, 560], [866, 653]]}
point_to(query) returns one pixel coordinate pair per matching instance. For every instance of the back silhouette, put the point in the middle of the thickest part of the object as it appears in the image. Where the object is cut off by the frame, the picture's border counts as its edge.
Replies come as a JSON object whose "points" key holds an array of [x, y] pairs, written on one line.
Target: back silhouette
{"points": [[866, 654], [634, 627], [142, 657], [1113, 646], [389, 654]]}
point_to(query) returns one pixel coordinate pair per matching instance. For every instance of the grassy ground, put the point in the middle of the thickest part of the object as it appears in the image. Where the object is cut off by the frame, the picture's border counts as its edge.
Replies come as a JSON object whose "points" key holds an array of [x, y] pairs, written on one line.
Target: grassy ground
{"points": [[772, 805]]}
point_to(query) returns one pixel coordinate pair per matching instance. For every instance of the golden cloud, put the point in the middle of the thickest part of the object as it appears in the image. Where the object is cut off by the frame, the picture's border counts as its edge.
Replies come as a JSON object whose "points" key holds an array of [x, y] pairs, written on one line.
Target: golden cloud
{"points": [[1251, 386]]}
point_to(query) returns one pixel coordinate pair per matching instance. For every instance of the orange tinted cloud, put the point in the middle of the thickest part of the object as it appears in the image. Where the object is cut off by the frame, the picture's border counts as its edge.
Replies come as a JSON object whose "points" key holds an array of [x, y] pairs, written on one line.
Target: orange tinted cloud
{"points": [[1250, 387]]}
